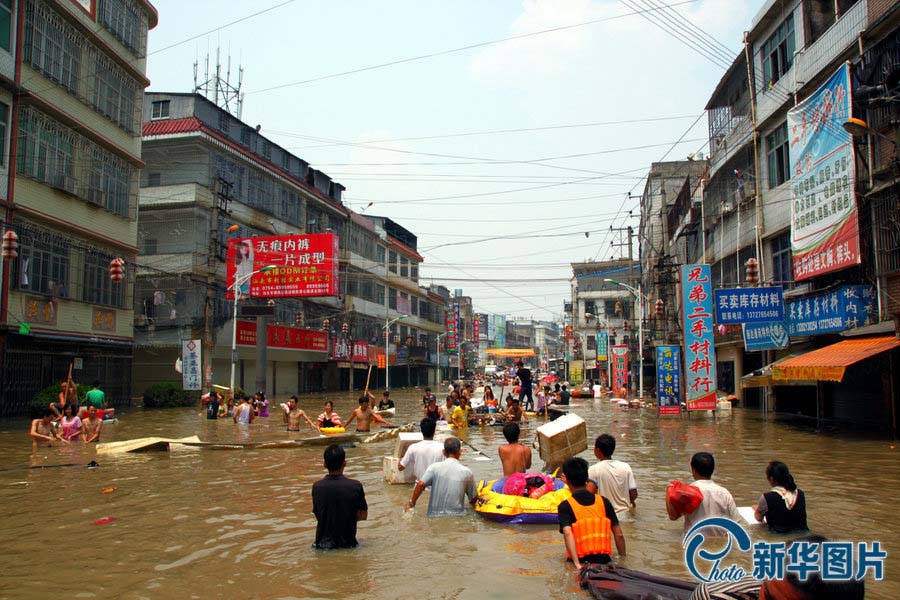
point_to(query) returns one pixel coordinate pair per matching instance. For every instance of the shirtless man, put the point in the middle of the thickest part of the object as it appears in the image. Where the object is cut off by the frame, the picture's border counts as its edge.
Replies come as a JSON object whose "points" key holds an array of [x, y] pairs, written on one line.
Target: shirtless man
{"points": [[515, 457], [364, 415], [293, 414], [244, 411], [515, 413], [43, 433], [90, 431]]}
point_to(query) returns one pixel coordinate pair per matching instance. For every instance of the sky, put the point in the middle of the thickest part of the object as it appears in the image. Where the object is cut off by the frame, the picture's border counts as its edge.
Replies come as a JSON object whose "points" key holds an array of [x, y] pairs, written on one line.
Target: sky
{"points": [[508, 160]]}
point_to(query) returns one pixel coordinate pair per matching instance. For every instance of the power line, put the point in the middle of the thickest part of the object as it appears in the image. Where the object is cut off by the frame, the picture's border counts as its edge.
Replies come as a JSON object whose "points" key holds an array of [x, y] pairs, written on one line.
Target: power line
{"points": [[489, 131], [450, 51]]}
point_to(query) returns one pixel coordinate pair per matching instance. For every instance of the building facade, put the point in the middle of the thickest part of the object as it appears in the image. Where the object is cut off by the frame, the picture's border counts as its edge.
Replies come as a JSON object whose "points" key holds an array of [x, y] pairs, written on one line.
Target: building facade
{"points": [[73, 75]]}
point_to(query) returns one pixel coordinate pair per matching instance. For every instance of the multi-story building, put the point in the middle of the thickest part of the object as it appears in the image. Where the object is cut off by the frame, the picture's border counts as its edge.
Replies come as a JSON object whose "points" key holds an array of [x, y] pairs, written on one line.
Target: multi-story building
{"points": [[209, 176], [601, 306], [73, 75], [793, 49]]}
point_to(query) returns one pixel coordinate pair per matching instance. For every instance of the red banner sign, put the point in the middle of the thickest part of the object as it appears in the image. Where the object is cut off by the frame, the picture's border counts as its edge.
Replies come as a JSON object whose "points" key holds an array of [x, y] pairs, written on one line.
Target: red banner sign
{"points": [[360, 352], [279, 336], [306, 265], [450, 343], [619, 366]]}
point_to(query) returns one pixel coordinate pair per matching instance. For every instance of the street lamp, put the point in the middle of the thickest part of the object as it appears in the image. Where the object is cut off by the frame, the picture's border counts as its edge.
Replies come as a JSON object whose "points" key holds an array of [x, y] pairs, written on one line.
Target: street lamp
{"points": [[640, 299], [387, 338], [236, 288]]}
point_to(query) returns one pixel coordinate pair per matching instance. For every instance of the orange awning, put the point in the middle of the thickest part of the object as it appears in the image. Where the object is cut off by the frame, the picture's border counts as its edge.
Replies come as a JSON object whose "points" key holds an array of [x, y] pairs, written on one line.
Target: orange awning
{"points": [[510, 352], [830, 362]]}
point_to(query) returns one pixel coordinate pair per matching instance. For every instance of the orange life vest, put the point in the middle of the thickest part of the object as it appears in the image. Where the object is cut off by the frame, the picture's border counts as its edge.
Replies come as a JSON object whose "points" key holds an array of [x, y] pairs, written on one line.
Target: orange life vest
{"points": [[592, 529]]}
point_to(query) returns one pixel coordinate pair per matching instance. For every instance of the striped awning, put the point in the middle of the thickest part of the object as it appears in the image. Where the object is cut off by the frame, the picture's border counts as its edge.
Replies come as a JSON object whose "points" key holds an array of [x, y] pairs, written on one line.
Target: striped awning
{"points": [[830, 363]]}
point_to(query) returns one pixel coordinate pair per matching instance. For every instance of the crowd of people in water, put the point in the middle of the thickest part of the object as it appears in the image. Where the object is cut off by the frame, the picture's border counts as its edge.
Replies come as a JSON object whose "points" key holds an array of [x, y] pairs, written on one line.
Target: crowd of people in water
{"points": [[67, 422]]}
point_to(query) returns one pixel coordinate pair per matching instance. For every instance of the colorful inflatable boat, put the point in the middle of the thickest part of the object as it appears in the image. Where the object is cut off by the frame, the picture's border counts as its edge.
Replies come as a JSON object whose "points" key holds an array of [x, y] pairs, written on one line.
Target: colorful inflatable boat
{"points": [[493, 504]]}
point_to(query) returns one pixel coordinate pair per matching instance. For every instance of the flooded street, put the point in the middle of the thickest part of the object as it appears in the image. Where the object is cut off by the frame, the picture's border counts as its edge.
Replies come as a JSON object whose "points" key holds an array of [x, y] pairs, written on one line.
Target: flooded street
{"points": [[238, 523]]}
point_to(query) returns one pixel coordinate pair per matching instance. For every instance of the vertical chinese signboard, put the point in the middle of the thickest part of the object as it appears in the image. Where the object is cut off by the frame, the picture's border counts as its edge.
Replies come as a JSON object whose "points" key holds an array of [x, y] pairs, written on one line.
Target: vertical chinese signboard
{"points": [[450, 344], [619, 367], [476, 331], [824, 219], [306, 265], [699, 350], [360, 353], [190, 365], [668, 379], [602, 347]]}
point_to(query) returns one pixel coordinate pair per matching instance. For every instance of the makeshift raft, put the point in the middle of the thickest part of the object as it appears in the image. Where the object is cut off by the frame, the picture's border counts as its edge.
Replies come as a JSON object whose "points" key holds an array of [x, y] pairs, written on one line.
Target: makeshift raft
{"points": [[159, 444]]}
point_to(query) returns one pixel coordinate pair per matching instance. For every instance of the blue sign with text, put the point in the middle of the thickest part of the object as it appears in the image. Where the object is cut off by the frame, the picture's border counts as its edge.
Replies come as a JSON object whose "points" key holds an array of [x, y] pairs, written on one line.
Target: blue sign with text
{"points": [[749, 305], [602, 346], [766, 336], [846, 307]]}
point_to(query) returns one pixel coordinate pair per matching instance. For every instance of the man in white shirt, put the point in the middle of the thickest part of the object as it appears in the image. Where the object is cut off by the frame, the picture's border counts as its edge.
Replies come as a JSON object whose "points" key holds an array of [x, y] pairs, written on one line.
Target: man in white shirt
{"points": [[614, 478], [421, 455], [450, 484], [717, 501]]}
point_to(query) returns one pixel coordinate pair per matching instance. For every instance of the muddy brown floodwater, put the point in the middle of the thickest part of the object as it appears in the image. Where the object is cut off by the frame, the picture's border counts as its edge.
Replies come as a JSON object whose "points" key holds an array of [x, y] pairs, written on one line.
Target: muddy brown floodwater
{"points": [[238, 523]]}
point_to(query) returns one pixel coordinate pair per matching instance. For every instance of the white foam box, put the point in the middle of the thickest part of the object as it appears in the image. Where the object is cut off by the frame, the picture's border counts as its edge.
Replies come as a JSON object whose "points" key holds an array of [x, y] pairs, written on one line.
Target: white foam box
{"points": [[562, 439], [404, 441], [394, 475]]}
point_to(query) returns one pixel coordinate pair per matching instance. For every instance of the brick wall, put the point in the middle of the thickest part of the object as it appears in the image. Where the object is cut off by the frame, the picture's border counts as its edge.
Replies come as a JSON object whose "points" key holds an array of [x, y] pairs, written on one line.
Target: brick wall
{"points": [[877, 8]]}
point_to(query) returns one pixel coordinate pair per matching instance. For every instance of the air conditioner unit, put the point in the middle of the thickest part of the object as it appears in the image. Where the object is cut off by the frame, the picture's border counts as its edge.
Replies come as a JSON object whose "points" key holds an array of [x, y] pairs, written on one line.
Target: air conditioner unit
{"points": [[96, 197], [63, 183]]}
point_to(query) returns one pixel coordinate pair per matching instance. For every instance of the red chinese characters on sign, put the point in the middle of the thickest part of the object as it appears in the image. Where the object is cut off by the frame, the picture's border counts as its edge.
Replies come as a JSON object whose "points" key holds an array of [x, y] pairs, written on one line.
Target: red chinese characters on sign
{"points": [[305, 265], [360, 352], [279, 336], [619, 366]]}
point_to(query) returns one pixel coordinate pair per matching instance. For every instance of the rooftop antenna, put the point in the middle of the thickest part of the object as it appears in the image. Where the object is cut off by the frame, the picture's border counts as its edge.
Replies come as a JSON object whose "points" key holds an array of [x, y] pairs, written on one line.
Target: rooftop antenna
{"points": [[219, 90]]}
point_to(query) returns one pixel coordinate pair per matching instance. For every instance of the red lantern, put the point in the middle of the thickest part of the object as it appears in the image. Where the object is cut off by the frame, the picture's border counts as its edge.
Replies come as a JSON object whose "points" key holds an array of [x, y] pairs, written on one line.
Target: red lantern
{"points": [[625, 325], [10, 244], [752, 271], [345, 328], [325, 324], [618, 308], [396, 339], [117, 269], [660, 306]]}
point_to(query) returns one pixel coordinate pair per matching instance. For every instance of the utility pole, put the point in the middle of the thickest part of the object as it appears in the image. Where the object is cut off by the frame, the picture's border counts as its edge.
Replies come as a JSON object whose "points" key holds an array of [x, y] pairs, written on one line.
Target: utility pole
{"points": [[221, 196]]}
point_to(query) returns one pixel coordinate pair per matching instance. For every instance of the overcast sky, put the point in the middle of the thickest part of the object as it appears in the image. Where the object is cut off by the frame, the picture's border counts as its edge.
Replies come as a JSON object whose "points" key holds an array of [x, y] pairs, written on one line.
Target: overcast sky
{"points": [[629, 89]]}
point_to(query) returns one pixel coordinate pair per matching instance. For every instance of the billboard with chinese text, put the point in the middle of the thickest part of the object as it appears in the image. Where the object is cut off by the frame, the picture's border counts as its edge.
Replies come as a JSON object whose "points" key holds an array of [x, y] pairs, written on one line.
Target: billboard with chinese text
{"points": [[699, 348], [191, 369], [824, 219], [280, 336], [668, 379], [306, 265], [749, 305], [619, 356], [602, 347]]}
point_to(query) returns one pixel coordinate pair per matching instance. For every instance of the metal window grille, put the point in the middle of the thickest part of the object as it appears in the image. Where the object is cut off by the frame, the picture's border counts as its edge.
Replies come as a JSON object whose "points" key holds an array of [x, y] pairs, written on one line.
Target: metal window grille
{"points": [[126, 21], [98, 288]]}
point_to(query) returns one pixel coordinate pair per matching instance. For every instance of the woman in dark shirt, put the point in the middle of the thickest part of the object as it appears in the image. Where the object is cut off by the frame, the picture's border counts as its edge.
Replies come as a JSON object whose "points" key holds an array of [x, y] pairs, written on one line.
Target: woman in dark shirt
{"points": [[784, 506]]}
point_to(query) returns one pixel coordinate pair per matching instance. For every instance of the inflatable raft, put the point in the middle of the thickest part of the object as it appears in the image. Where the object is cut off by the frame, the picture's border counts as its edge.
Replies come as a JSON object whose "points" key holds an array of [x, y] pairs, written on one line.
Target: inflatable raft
{"points": [[331, 430], [493, 504]]}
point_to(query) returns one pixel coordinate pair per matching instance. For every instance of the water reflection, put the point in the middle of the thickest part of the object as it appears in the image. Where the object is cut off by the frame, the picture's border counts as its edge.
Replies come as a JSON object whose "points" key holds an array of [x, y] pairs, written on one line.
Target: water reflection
{"points": [[238, 523]]}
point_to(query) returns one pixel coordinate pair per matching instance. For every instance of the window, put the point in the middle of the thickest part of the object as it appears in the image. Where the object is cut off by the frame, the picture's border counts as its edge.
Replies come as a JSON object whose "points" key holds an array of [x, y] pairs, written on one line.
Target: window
{"points": [[46, 151], [154, 179], [245, 136], [6, 24], [43, 265], [414, 271], [223, 122], [404, 267], [590, 307], [149, 246], [379, 254], [610, 308], [266, 149], [392, 262], [289, 210], [125, 20], [392, 298], [98, 287], [114, 94], [414, 306], [777, 151], [782, 261], [159, 109], [379, 294], [778, 52], [108, 182], [4, 119], [49, 46], [285, 161]]}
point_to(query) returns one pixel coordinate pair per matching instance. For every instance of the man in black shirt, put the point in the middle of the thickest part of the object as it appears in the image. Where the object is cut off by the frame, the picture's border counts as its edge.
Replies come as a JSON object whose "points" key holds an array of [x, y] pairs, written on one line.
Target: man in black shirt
{"points": [[338, 504], [564, 396], [524, 375], [582, 545]]}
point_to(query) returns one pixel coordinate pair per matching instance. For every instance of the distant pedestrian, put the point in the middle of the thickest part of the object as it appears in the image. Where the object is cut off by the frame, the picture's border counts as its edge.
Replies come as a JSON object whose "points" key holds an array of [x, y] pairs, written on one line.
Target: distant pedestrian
{"points": [[244, 412], [96, 397], [422, 455], [525, 385], [211, 400], [339, 503], [43, 430]]}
